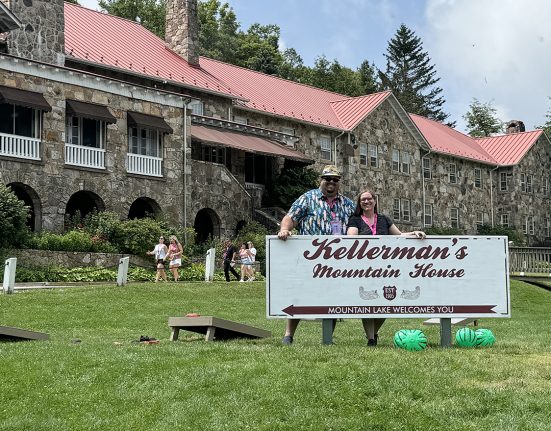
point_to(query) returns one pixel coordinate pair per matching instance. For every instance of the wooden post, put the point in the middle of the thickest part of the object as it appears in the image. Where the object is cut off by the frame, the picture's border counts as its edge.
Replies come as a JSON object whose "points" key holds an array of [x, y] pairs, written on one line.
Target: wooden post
{"points": [[445, 332], [9, 274], [122, 275], [209, 264]]}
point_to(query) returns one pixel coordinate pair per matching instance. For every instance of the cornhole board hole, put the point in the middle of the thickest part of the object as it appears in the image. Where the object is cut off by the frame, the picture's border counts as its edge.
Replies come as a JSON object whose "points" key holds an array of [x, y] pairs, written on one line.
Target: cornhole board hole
{"points": [[214, 328], [9, 333]]}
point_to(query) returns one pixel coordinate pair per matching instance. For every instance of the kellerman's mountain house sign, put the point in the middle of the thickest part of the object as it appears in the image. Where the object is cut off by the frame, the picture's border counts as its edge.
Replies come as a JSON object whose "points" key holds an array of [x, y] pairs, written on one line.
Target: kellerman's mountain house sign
{"points": [[387, 276]]}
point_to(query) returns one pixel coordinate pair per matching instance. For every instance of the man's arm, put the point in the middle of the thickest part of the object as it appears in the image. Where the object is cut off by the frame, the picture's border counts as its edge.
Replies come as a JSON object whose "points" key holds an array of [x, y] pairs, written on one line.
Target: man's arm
{"points": [[286, 226]]}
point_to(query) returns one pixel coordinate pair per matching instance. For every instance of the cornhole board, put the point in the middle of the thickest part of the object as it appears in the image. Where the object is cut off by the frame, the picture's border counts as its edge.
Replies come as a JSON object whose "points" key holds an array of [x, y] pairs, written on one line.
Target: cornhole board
{"points": [[214, 328], [457, 321], [9, 333]]}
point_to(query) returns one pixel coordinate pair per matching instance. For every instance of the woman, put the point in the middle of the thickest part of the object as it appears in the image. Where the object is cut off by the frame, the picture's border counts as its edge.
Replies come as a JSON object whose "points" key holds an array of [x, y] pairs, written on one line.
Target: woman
{"points": [[252, 257], [175, 251], [160, 251], [367, 221], [245, 262]]}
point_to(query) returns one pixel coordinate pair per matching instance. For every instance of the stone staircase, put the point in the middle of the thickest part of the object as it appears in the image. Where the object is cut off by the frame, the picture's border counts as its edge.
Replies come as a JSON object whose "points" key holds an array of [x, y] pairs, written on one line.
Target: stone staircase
{"points": [[270, 217]]}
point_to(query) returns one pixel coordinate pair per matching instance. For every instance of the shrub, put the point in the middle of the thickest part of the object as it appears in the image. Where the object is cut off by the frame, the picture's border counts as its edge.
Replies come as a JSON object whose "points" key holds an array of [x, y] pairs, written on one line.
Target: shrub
{"points": [[437, 230], [513, 235], [293, 181], [13, 219]]}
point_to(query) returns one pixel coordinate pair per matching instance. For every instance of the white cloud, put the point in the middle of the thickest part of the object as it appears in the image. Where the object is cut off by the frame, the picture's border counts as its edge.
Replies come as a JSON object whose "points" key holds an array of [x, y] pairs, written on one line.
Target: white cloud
{"points": [[493, 50]]}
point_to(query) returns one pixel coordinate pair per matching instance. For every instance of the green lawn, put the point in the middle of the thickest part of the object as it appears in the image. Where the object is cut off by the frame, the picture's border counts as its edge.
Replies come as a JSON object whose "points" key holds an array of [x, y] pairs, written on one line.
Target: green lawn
{"points": [[106, 382]]}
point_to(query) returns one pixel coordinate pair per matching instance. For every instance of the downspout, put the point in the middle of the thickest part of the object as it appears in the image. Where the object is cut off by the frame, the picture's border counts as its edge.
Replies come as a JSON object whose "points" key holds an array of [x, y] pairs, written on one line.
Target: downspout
{"points": [[492, 195], [186, 101], [423, 188]]}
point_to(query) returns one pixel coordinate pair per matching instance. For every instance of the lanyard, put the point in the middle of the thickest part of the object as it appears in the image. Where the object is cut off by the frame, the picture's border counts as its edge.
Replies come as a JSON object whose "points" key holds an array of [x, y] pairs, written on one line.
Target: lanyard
{"points": [[331, 204], [373, 227]]}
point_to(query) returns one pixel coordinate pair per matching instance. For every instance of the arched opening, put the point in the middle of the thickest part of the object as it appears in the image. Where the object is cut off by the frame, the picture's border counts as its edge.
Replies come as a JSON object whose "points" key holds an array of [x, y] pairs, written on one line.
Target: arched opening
{"points": [[206, 225], [240, 225], [81, 204], [31, 199], [144, 207]]}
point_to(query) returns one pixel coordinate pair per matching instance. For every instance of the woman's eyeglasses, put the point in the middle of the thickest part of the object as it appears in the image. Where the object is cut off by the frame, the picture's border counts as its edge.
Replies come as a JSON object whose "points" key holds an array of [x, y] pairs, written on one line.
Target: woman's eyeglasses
{"points": [[366, 199], [331, 179]]}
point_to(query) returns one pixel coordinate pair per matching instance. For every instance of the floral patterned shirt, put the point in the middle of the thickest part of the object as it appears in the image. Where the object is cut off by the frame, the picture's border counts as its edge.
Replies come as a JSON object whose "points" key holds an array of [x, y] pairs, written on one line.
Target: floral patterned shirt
{"points": [[314, 215]]}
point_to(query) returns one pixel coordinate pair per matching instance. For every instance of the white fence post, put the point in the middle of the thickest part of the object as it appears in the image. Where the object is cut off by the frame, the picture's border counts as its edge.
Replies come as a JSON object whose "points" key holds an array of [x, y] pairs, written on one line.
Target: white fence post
{"points": [[122, 275], [9, 274], [209, 264]]}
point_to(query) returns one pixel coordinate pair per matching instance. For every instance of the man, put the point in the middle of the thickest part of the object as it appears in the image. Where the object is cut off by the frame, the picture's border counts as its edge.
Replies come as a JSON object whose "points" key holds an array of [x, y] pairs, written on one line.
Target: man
{"points": [[229, 260], [322, 211]]}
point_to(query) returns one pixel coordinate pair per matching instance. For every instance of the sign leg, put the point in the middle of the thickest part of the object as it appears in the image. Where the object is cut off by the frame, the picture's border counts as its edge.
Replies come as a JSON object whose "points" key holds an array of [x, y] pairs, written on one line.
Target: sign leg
{"points": [[327, 327], [446, 332]]}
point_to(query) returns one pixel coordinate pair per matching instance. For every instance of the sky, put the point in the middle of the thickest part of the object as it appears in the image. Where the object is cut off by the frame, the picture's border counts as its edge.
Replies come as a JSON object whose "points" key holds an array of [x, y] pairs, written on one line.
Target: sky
{"points": [[496, 51]]}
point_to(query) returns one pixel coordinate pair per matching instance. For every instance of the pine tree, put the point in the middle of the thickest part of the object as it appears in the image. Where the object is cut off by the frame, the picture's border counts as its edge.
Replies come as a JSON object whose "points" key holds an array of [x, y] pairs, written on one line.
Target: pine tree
{"points": [[411, 77], [482, 120], [547, 126]]}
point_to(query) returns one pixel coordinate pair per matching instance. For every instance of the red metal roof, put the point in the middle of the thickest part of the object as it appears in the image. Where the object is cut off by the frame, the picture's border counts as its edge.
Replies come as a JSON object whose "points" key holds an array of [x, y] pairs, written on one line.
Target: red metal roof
{"points": [[509, 149], [249, 143], [444, 139], [352, 110], [122, 44]]}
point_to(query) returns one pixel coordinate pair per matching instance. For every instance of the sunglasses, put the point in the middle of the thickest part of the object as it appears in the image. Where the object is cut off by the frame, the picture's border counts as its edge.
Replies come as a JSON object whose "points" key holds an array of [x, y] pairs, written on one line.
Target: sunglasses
{"points": [[331, 179]]}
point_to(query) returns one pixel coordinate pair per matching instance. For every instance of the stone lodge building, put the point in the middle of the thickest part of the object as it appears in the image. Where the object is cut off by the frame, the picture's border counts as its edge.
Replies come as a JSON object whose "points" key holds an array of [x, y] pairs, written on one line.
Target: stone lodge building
{"points": [[98, 113]]}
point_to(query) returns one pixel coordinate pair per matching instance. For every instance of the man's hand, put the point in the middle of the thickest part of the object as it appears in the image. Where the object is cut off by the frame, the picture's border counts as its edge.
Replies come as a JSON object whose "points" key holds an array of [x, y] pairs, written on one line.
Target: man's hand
{"points": [[284, 234]]}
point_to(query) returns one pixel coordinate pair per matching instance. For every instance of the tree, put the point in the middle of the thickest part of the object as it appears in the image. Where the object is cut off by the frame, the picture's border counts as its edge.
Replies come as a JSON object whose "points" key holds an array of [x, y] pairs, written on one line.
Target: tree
{"points": [[13, 218], [149, 13], [368, 77], [547, 126], [411, 77], [72, 1], [482, 120]]}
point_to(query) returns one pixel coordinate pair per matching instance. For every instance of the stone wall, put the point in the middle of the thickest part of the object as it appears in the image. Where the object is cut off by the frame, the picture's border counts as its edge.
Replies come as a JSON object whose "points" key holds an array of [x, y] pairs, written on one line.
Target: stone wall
{"points": [[42, 36], [182, 29]]}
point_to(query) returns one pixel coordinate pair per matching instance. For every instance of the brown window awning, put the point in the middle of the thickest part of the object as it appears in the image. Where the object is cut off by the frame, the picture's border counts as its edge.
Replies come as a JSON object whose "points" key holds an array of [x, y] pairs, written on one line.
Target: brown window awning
{"points": [[248, 143], [90, 111], [137, 119], [28, 99]]}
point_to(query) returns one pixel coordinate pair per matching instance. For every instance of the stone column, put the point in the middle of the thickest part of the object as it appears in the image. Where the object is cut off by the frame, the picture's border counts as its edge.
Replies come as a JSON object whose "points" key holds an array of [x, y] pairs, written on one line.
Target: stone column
{"points": [[182, 29]]}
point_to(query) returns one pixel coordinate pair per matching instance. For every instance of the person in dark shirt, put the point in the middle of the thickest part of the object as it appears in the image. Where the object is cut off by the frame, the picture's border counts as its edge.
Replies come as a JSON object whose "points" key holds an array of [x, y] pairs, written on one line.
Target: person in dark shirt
{"points": [[366, 220], [229, 260]]}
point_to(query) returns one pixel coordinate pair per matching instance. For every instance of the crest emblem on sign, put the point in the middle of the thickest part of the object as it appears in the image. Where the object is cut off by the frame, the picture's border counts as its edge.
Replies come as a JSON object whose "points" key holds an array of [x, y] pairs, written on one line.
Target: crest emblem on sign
{"points": [[389, 292]]}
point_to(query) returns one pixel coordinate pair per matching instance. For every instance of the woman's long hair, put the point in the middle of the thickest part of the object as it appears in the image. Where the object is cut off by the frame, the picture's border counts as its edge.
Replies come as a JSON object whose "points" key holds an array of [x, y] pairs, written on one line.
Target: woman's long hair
{"points": [[358, 211]]}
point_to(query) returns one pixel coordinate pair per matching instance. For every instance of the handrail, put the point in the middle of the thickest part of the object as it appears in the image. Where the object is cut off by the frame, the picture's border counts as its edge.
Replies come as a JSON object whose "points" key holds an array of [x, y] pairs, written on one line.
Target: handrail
{"points": [[530, 260]]}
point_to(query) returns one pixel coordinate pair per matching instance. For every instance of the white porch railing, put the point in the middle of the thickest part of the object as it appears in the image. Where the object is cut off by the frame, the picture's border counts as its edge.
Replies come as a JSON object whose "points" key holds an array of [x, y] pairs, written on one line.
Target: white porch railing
{"points": [[19, 146], [144, 165], [532, 260], [88, 157]]}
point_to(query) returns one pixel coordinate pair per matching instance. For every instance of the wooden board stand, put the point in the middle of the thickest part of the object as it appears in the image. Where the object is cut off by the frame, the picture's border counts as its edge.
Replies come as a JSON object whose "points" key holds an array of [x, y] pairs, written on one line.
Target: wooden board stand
{"points": [[9, 333], [214, 328]]}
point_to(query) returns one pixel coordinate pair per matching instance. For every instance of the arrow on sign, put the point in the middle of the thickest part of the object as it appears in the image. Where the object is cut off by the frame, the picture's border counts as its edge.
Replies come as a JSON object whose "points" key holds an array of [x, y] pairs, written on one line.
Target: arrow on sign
{"points": [[291, 310]]}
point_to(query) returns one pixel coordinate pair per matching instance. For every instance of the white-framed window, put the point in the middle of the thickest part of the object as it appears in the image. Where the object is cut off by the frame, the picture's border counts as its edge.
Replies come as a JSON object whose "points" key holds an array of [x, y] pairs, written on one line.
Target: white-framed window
{"points": [[325, 147], [522, 182], [373, 155], [547, 227], [196, 107], [145, 142], [504, 220], [479, 218], [525, 226], [503, 182], [288, 131], [406, 210], [427, 168], [545, 186], [396, 209], [454, 217], [452, 173], [85, 132], [529, 227], [395, 160], [478, 178], [405, 159], [240, 119], [20, 120], [428, 215], [363, 154], [529, 183]]}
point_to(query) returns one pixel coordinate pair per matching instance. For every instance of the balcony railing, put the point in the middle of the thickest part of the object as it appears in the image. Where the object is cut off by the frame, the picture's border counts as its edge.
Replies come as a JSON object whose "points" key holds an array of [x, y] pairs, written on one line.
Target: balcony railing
{"points": [[144, 165], [19, 146], [88, 157]]}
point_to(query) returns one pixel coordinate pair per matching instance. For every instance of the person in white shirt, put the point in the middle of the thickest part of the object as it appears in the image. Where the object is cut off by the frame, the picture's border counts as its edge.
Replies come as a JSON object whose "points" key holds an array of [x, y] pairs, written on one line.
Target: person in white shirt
{"points": [[160, 251], [252, 258]]}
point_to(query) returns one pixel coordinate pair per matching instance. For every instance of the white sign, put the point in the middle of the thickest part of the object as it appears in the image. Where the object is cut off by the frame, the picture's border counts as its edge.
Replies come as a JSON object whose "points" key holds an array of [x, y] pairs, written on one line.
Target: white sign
{"points": [[387, 276]]}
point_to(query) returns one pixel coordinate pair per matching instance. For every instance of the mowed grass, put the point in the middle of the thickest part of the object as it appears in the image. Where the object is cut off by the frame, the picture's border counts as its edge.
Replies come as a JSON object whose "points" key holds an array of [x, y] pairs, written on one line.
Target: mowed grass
{"points": [[106, 382]]}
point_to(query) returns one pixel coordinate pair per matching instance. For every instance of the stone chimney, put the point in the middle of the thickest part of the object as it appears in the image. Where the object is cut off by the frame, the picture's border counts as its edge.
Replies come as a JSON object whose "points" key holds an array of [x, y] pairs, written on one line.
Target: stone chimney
{"points": [[514, 126], [182, 29], [42, 36]]}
